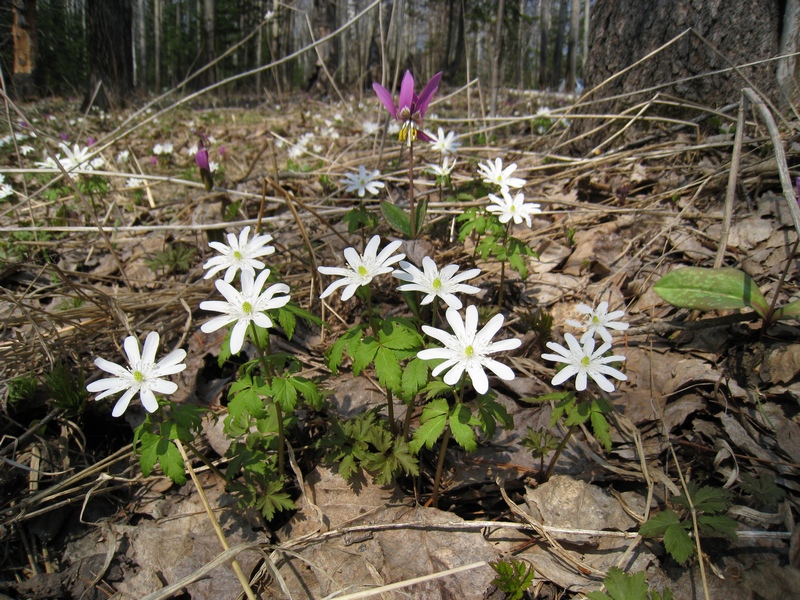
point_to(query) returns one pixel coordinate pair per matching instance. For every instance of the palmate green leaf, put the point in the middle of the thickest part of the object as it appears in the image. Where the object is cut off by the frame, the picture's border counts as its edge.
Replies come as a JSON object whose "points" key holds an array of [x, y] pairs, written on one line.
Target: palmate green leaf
{"points": [[622, 586], [678, 543], [388, 369], [362, 353], [601, 429], [310, 391], [436, 389], [415, 376], [335, 354], [657, 525], [400, 337], [706, 499], [460, 422], [273, 499], [700, 288], [148, 449], [490, 413], [432, 423], [514, 577], [284, 393], [245, 399], [171, 461], [396, 217], [718, 524]]}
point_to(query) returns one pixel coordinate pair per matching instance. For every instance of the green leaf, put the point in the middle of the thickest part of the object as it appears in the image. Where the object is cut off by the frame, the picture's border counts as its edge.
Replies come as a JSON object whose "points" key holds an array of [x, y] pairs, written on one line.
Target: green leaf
{"points": [[622, 586], [490, 413], [601, 429], [788, 311], [273, 499], [657, 525], [171, 461], [514, 577], [287, 321], [400, 337], [706, 499], [461, 427], [678, 543], [702, 288], [436, 388], [284, 393], [309, 390], [397, 218], [148, 452], [388, 369], [362, 352], [420, 210], [432, 423], [718, 524], [335, 354], [415, 376]]}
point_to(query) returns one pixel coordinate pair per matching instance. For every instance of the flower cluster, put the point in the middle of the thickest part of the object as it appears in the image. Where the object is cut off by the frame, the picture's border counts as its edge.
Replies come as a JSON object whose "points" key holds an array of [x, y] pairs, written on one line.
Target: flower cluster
{"points": [[466, 349], [581, 358], [507, 206], [75, 158], [240, 308]]}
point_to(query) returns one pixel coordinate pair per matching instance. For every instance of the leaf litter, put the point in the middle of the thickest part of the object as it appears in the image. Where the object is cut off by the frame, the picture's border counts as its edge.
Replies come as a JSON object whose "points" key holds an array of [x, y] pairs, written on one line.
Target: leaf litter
{"points": [[723, 399]]}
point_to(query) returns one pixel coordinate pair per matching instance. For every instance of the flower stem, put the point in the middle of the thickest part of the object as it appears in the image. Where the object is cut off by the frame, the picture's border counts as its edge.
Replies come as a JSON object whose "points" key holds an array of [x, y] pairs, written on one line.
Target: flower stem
{"points": [[559, 450], [237, 568], [411, 188], [503, 268], [268, 377], [439, 467]]}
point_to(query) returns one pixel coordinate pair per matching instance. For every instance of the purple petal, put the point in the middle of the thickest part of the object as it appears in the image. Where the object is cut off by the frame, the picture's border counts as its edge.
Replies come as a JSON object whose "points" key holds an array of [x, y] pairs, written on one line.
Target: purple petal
{"points": [[427, 94], [421, 135], [386, 98], [406, 98], [201, 158]]}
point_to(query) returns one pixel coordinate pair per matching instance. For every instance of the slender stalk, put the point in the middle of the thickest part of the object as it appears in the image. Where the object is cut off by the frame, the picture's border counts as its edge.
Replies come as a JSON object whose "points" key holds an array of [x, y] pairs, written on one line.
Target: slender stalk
{"points": [[558, 452], [411, 187], [407, 420], [771, 311], [278, 413], [439, 468], [237, 568], [503, 269], [390, 411]]}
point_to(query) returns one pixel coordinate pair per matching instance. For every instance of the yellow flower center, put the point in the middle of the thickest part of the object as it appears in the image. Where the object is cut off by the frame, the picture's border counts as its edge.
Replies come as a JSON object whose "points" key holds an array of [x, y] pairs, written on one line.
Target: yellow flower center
{"points": [[237, 255], [362, 270], [469, 351], [595, 319], [437, 283], [247, 308], [585, 361], [138, 376]]}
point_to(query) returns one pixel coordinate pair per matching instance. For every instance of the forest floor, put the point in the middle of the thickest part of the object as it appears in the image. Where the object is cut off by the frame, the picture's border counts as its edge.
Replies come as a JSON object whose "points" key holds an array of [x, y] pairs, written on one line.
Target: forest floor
{"points": [[710, 404]]}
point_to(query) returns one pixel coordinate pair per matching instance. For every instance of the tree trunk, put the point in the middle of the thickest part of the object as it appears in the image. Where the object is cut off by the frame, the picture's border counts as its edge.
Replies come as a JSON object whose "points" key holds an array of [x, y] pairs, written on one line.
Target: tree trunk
{"points": [[140, 54], [544, 47], [23, 31], [789, 68], [572, 46], [625, 31], [210, 54], [157, 24], [110, 53], [498, 53], [558, 48]]}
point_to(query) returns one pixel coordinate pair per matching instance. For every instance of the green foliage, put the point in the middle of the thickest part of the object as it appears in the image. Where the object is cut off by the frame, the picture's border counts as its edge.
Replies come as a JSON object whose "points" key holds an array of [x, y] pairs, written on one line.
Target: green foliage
{"points": [[539, 321], [67, 389], [360, 218], [514, 577], [539, 442], [701, 288], [397, 218], [232, 211], [365, 442], [174, 258], [624, 586], [287, 317], [763, 489], [708, 502], [494, 241], [577, 412], [22, 388]]}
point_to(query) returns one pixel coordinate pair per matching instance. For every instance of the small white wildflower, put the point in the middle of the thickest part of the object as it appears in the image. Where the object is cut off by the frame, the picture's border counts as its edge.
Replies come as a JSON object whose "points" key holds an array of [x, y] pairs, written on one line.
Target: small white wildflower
{"points": [[123, 156], [508, 207], [433, 282], [25, 150], [442, 170], [134, 182], [599, 320], [213, 166], [143, 375], [362, 269], [495, 174], [242, 308], [445, 144], [362, 182], [5, 191], [584, 361], [370, 127], [240, 253], [468, 349]]}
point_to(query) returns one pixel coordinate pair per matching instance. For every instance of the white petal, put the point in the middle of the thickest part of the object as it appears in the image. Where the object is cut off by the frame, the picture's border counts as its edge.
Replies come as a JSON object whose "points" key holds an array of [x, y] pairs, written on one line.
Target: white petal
{"points": [[504, 372], [122, 403], [163, 386], [131, 346], [564, 374], [237, 335], [148, 400], [150, 348], [110, 367], [479, 380]]}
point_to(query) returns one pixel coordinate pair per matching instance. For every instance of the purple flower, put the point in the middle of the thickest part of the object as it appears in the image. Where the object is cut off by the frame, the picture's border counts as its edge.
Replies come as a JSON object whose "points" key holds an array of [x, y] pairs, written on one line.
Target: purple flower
{"points": [[64, 136], [92, 141], [410, 109], [222, 150], [201, 158]]}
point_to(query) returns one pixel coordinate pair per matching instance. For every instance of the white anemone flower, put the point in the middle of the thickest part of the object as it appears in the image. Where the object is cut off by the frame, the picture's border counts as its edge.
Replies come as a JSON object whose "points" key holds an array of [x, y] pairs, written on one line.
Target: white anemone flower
{"points": [[245, 307], [508, 207], [584, 361], [134, 182], [25, 150], [76, 158], [468, 349], [239, 254], [363, 182], [444, 170], [5, 191], [445, 144], [494, 173], [599, 320], [362, 269], [143, 375], [433, 282]]}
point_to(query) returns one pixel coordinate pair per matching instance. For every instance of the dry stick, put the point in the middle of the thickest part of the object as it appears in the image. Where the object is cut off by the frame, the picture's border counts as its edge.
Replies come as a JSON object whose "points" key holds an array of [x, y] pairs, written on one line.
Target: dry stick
{"points": [[627, 126], [215, 523], [730, 193]]}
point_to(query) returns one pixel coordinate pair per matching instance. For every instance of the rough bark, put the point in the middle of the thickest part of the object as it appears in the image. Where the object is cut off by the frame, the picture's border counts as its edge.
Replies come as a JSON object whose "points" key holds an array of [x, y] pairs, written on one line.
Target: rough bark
{"points": [[23, 32], [789, 67], [572, 46], [624, 31], [110, 52], [558, 47]]}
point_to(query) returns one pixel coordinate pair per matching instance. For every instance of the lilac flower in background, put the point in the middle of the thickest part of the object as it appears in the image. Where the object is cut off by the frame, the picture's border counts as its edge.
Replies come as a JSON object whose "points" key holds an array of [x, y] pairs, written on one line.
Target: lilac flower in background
{"points": [[411, 108], [64, 136], [222, 150], [91, 141]]}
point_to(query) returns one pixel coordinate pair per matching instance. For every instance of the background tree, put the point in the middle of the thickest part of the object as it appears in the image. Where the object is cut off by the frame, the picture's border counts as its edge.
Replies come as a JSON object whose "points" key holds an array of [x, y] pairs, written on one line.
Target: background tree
{"points": [[23, 32], [109, 25]]}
